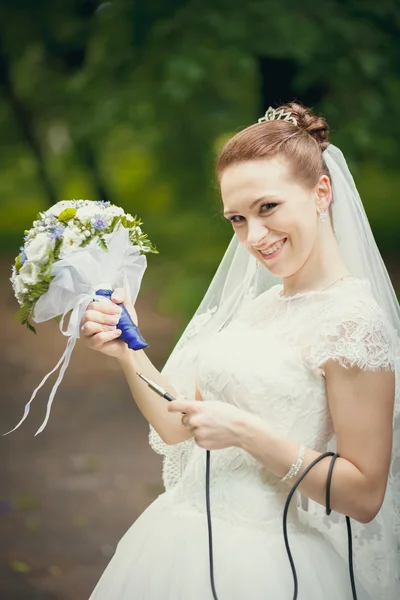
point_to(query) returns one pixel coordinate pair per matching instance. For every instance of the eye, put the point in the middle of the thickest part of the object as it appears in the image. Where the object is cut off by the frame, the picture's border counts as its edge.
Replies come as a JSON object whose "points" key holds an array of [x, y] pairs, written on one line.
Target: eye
{"points": [[269, 206], [236, 219]]}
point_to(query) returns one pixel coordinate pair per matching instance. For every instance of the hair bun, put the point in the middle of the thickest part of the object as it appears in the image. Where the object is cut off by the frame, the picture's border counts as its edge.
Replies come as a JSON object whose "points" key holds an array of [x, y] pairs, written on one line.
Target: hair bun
{"points": [[315, 125]]}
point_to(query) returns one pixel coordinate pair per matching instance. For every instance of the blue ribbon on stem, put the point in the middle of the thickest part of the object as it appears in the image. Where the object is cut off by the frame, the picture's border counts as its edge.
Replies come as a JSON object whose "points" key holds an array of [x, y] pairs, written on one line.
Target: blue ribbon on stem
{"points": [[130, 332]]}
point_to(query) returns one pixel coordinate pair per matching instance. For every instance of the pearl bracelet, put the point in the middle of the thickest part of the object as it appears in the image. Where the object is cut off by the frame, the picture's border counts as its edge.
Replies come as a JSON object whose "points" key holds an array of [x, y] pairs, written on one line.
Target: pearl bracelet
{"points": [[295, 468]]}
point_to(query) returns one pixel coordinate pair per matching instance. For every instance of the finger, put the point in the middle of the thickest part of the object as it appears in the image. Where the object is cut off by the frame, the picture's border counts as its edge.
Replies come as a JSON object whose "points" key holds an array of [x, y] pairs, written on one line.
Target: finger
{"points": [[118, 295], [91, 328], [104, 306], [182, 406], [186, 422], [96, 342], [100, 318]]}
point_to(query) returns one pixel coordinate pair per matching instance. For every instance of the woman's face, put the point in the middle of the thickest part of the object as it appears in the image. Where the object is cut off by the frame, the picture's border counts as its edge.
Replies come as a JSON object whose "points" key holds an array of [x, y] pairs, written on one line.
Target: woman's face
{"points": [[273, 216]]}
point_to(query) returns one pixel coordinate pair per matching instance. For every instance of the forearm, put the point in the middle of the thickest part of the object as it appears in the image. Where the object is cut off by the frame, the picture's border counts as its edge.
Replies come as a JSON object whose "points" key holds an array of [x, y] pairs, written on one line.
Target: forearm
{"points": [[152, 406], [351, 494]]}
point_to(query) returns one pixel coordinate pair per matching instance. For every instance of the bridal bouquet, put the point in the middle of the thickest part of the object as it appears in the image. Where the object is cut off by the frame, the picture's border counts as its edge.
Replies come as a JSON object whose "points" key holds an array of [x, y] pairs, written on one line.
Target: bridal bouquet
{"points": [[76, 252]]}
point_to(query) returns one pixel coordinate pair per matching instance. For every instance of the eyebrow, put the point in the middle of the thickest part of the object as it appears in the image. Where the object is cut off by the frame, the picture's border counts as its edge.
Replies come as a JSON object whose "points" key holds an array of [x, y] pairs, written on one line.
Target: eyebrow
{"points": [[263, 198]]}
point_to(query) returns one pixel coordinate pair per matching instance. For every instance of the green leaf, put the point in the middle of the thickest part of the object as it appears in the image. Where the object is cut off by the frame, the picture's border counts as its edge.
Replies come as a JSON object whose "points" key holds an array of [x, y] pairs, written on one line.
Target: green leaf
{"points": [[67, 214], [86, 242], [102, 244], [57, 247], [40, 288], [18, 263], [25, 315], [30, 327]]}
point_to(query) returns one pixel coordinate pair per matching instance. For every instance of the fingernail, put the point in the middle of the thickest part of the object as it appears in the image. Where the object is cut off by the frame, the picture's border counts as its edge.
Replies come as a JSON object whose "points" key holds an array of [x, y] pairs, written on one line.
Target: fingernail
{"points": [[110, 327]]}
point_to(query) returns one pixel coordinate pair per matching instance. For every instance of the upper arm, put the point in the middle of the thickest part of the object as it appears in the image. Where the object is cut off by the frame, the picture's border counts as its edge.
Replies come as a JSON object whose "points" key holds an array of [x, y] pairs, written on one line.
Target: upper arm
{"points": [[355, 350], [361, 404]]}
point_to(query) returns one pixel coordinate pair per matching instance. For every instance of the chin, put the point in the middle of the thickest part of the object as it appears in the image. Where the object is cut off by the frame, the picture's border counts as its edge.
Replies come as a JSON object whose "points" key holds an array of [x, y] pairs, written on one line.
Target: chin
{"points": [[282, 271]]}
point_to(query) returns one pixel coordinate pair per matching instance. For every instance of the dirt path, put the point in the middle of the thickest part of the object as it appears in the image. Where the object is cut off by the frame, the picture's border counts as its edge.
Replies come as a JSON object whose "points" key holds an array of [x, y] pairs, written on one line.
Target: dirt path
{"points": [[67, 495]]}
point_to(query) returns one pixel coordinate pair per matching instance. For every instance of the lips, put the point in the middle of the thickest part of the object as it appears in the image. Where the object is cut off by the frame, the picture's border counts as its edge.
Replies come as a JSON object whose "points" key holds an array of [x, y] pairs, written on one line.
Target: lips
{"points": [[264, 250]]}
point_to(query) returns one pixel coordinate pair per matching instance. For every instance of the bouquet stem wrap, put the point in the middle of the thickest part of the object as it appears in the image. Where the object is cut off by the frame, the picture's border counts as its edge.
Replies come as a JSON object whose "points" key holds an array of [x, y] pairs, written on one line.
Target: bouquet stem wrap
{"points": [[77, 279], [130, 333]]}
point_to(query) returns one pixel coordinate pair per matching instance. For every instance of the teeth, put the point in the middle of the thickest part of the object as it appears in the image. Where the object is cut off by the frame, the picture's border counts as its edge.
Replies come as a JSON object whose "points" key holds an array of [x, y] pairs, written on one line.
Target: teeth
{"points": [[274, 248]]}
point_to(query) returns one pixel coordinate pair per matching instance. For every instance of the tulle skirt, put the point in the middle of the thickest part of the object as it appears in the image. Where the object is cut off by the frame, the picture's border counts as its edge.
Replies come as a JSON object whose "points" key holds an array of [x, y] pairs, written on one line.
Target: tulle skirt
{"points": [[164, 556]]}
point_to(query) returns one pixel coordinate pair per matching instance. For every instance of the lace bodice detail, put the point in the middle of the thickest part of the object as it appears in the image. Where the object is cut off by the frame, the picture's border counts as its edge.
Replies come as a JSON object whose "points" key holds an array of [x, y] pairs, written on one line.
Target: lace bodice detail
{"points": [[269, 360]]}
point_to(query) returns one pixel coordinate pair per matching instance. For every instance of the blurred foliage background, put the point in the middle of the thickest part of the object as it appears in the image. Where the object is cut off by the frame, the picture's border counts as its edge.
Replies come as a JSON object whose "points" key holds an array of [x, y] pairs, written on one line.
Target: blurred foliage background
{"points": [[130, 100]]}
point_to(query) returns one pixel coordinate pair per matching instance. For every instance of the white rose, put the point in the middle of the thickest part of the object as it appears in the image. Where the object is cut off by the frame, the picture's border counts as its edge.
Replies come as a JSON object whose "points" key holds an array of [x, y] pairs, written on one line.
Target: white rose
{"points": [[86, 213], [71, 240], [115, 211], [29, 273], [57, 209], [39, 248], [18, 285]]}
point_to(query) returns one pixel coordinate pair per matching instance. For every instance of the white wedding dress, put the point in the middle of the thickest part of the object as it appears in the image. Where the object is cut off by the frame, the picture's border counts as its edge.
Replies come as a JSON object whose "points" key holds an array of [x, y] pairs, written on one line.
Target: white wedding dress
{"points": [[267, 361]]}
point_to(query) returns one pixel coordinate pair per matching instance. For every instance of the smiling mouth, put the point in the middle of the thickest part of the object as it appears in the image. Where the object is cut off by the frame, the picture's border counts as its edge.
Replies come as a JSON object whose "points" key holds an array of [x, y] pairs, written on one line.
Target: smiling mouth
{"points": [[273, 249]]}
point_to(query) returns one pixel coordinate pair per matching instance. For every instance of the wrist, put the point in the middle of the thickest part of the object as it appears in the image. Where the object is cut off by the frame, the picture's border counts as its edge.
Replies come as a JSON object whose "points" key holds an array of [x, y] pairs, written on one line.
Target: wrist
{"points": [[129, 359], [246, 428]]}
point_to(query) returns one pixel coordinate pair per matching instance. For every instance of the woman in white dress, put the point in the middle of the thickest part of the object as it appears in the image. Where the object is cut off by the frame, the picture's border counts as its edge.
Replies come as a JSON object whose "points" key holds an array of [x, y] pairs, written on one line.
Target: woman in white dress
{"points": [[292, 351]]}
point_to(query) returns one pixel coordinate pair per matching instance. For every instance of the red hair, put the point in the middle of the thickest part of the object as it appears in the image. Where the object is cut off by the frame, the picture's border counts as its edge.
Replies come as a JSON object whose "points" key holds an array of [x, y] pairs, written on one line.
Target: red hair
{"points": [[301, 145]]}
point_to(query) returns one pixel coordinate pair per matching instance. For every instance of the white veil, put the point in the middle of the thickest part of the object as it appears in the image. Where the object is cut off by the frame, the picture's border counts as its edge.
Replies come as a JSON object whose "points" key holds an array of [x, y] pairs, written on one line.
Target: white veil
{"points": [[377, 544]]}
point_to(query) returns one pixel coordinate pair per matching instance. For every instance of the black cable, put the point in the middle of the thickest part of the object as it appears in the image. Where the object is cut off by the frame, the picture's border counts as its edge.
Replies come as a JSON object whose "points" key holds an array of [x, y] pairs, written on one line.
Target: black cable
{"points": [[168, 396], [328, 511], [285, 513], [210, 545], [348, 524]]}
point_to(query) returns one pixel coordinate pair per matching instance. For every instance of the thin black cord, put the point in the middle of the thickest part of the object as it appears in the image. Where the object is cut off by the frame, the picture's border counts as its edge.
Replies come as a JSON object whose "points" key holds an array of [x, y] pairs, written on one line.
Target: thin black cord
{"points": [[351, 569], [328, 511], [210, 544], [285, 513]]}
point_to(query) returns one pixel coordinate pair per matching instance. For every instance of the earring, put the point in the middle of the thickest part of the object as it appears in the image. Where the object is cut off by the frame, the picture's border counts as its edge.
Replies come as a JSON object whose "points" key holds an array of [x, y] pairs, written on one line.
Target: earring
{"points": [[323, 217]]}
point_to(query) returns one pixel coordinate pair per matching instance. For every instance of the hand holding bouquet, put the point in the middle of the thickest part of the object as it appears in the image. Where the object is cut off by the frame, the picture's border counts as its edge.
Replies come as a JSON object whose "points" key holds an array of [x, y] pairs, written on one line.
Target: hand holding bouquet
{"points": [[76, 252]]}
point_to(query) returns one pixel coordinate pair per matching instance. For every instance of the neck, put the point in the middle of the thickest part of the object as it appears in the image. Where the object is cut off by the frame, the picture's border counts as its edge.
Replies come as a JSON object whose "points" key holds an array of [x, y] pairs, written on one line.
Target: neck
{"points": [[322, 268]]}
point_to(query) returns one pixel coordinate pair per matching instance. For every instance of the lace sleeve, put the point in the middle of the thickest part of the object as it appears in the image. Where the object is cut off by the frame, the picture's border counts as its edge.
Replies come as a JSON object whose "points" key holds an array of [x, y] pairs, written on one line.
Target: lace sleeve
{"points": [[357, 336], [180, 370], [174, 457]]}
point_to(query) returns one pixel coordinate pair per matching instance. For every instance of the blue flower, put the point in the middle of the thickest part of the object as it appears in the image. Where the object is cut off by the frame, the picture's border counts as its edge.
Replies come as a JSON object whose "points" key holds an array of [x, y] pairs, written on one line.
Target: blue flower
{"points": [[103, 203], [98, 222], [22, 256], [56, 231]]}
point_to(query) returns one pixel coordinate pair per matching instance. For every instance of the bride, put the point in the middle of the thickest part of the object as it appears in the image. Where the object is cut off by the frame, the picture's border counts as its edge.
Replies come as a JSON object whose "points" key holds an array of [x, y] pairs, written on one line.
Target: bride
{"points": [[293, 350]]}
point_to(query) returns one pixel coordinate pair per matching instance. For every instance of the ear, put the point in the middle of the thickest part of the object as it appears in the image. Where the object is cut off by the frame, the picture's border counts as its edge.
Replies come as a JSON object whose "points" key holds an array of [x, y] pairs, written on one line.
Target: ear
{"points": [[323, 194]]}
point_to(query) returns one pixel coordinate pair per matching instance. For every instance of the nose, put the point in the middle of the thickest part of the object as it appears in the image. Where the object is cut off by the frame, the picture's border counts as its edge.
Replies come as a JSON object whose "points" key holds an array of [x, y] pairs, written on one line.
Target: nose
{"points": [[256, 232]]}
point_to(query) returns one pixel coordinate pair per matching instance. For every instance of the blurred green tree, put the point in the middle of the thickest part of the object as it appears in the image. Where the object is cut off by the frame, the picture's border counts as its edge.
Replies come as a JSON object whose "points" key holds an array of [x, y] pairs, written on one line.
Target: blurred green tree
{"points": [[129, 100]]}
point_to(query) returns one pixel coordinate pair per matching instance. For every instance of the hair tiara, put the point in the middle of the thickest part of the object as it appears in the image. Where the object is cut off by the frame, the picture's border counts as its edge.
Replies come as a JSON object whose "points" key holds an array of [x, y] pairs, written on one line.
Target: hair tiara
{"points": [[275, 115]]}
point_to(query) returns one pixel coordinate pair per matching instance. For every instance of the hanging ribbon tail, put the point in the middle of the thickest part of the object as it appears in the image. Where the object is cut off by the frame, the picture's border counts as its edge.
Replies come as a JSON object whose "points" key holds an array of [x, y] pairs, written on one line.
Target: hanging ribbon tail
{"points": [[130, 333], [67, 354], [64, 359]]}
